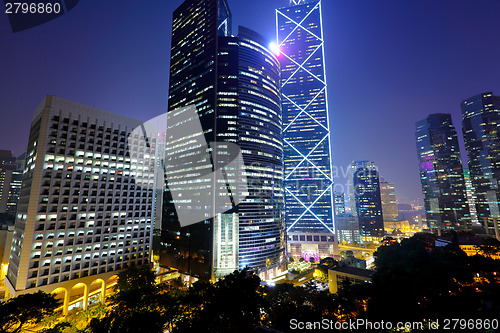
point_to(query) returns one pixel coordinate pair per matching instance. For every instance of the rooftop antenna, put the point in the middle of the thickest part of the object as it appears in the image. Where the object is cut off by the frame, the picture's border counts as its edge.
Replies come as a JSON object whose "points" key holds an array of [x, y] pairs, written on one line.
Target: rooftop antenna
{"points": [[297, 2]]}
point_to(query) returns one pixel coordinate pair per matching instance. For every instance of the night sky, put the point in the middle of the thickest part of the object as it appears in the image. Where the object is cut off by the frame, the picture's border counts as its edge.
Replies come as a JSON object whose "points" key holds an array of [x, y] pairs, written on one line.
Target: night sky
{"points": [[389, 64]]}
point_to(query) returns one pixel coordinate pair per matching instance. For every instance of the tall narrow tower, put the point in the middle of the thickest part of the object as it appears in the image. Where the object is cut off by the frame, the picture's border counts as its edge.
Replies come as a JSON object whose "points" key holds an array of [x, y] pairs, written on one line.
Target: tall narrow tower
{"points": [[441, 173], [364, 196], [234, 82], [480, 126], [308, 172]]}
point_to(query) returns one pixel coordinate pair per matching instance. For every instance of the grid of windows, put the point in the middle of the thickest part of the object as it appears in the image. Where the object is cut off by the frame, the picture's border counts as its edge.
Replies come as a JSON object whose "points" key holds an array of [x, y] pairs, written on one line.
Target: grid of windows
{"points": [[441, 173], [262, 229], [365, 200], [82, 211], [481, 119]]}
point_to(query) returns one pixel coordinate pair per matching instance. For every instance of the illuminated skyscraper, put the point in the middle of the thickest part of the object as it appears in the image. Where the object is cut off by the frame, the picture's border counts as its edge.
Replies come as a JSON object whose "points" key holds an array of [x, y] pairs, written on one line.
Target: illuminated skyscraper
{"points": [[441, 173], [86, 206], [308, 172], [234, 83], [11, 173], [389, 201], [364, 197], [481, 119], [339, 203], [471, 197]]}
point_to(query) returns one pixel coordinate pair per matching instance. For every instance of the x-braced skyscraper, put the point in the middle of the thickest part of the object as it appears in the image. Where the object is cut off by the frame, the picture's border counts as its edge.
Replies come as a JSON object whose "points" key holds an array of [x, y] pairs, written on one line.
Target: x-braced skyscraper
{"points": [[308, 172]]}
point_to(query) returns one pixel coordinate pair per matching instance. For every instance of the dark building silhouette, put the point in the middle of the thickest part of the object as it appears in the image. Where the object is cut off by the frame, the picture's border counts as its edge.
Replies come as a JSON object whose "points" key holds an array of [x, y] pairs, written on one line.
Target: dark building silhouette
{"points": [[481, 119], [441, 173]]}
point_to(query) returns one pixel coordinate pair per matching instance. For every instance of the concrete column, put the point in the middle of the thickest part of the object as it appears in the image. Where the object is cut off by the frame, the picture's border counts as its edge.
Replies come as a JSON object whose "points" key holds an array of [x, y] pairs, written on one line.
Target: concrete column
{"points": [[85, 297], [103, 292], [485, 221], [66, 302], [495, 224]]}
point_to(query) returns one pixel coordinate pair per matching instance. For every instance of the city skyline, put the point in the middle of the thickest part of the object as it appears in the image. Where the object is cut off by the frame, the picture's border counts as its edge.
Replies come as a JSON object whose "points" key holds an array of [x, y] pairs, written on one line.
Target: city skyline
{"points": [[123, 67]]}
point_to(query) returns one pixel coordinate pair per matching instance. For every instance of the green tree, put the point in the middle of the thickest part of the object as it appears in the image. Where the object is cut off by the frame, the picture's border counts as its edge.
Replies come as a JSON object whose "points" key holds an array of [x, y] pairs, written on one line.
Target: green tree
{"points": [[430, 282], [306, 304], [57, 328], [137, 305], [26, 310], [233, 304], [328, 261]]}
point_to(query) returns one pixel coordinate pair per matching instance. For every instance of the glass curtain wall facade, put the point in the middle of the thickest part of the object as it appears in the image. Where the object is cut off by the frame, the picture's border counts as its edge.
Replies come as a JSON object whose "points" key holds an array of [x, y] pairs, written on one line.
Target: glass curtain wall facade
{"points": [[308, 174], [365, 200], [441, 173], [11, 173], [234, 83], [196, 27], [262, 226], [389, 201], [481, 119], [339, 203]]}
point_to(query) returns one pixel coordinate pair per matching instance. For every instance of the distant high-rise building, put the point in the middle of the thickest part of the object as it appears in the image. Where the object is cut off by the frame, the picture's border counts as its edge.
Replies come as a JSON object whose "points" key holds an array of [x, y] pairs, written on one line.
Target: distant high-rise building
{"points": [[339, 203], [348, 229], [471, 197], [389, 201], [86, 205], [441, 173], [11, 172], [364, 196], [7, 159], [308, 173], [234, 82], [481, 119]]}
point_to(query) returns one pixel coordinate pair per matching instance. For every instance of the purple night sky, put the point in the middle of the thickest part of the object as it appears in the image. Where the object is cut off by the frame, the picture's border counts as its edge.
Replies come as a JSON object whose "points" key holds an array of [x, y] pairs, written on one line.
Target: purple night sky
{"points": [[389, 64]]}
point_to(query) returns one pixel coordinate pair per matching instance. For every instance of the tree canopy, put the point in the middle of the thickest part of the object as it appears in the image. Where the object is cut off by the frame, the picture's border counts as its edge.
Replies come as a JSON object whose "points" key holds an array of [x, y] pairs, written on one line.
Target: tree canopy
{"points": [[26, 310]]}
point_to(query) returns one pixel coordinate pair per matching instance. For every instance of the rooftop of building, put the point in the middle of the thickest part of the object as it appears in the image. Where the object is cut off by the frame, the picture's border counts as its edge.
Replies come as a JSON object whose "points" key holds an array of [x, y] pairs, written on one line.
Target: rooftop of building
{"points": [[462, 239], [367, 273], [5, 153]]}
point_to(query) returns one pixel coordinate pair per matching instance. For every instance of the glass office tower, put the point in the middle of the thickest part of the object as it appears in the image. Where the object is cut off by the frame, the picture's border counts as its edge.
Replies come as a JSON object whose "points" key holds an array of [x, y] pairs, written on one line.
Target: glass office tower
{"points": [[339, 203], [234, 83], [262, 226], [11, 175], [308, 174], [441, 173], [364, 195], [193, 80], [389, 201], [481, 118]]}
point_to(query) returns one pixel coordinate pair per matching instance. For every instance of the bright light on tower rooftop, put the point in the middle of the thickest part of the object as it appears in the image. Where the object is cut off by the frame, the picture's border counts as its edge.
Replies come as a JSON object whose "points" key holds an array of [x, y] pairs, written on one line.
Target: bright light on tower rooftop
{"points": [[275, 48]]}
